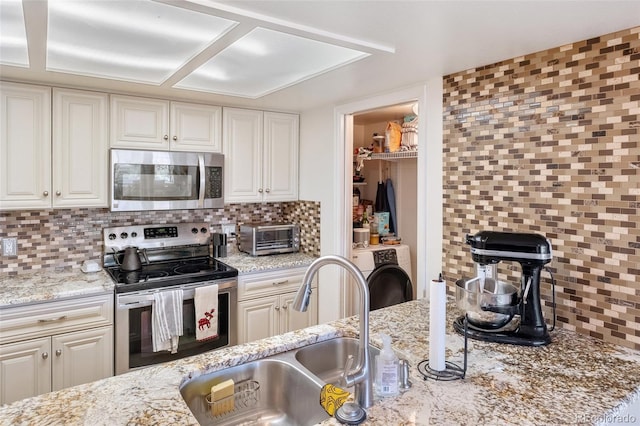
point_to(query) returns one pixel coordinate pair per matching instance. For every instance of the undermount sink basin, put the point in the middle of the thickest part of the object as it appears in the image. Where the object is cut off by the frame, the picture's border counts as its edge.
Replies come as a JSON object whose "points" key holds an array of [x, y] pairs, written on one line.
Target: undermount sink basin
{"points": [[327, 359], [287, 395], [289, 385]]}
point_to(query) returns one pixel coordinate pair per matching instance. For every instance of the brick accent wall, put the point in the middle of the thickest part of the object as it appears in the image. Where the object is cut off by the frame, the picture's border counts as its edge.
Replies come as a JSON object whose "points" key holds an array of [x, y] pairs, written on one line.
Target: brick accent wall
{"points": [[549, 143], [67, 237]]}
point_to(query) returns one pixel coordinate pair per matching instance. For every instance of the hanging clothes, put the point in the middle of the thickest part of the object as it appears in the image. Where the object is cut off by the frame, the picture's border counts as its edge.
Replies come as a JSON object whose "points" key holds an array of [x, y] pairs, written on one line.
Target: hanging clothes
{"points": [[391, 201], [381, 198]]}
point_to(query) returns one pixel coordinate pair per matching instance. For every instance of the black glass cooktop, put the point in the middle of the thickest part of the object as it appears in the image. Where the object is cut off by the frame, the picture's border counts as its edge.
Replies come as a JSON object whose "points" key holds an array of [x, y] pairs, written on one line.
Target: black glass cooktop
{"points": [[170, 273]]}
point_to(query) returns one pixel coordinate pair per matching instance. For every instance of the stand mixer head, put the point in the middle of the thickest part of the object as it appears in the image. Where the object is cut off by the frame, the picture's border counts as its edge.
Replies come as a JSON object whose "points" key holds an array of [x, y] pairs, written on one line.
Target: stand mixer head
{"points": [[532, 252]]}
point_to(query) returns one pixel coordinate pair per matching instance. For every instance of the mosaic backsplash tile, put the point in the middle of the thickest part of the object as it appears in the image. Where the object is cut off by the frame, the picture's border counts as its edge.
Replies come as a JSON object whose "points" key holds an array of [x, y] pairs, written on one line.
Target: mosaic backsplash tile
{"points": [[67, 237], [549, 143]]}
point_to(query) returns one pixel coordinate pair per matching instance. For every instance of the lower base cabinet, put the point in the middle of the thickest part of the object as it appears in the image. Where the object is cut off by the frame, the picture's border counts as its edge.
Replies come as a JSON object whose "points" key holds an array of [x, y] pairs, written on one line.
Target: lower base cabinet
{"points": [[265, 306], [55, 345], [37, 366]]}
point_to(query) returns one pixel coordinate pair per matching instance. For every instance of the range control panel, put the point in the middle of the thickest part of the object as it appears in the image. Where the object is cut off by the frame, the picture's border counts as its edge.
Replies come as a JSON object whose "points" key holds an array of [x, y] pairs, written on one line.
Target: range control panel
{"points": [[155, 236]]}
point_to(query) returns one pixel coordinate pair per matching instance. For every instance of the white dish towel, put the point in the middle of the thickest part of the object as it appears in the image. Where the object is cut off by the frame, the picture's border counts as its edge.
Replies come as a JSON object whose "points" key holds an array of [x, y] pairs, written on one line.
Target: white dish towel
{"points": [[206, 308], [166, 320]]}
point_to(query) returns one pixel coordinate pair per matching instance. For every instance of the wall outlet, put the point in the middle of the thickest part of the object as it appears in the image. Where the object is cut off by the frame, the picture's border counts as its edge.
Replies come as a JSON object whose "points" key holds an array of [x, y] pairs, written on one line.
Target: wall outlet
{"points": [[9, 246], [228, 228]]}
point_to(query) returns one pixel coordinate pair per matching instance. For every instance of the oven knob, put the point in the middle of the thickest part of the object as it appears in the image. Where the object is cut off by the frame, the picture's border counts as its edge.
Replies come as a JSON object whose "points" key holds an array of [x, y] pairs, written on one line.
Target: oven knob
{"points": [[134, 234], [203, 230], [124, 235], [112, 236], [194, 230]]}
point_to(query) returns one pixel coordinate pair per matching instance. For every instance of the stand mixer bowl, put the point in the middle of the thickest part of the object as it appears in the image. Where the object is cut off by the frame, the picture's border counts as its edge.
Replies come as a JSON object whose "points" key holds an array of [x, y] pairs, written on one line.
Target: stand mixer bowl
{"points": [[490, 306]]}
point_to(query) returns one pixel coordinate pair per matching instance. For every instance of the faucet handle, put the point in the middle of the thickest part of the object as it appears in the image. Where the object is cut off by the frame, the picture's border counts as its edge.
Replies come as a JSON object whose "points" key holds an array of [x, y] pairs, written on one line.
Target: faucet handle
{"points": [[345, 372]]}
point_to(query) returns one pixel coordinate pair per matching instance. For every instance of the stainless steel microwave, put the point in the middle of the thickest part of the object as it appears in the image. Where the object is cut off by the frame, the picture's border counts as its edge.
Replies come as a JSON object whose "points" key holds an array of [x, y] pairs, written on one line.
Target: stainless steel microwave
{"points": [[164, 180], [259, 239]]}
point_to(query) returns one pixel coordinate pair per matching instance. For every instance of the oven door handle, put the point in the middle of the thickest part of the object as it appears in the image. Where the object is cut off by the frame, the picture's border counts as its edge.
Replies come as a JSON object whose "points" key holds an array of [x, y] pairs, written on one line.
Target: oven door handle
{"points": [[129, 300]]}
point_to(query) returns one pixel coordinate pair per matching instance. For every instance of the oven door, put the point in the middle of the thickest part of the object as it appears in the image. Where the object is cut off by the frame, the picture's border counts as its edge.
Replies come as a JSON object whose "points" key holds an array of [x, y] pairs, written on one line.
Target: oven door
{"points": [[133, 341]]}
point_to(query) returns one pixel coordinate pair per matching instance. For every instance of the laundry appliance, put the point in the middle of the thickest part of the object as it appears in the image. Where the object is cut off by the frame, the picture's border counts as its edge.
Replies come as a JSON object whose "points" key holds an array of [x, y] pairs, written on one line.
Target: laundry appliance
{"points": [[388, 273]]}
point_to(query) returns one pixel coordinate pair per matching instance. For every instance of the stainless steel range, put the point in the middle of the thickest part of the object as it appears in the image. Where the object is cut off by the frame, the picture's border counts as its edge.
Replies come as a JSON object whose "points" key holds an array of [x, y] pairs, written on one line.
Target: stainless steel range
{"points": [[144, 259]]}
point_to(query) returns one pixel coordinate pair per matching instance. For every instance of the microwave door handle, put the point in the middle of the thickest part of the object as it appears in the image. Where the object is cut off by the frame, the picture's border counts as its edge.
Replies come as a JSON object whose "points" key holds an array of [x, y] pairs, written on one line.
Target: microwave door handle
{"points": [[202, 173]]}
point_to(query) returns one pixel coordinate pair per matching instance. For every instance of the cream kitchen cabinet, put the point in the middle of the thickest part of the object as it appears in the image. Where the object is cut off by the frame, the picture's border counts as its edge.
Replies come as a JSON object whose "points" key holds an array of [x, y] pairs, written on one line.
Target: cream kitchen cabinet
{"points": [[261, 155], [155, 124], [25, 146], [41, 171], [265, 305], [55, 345]]}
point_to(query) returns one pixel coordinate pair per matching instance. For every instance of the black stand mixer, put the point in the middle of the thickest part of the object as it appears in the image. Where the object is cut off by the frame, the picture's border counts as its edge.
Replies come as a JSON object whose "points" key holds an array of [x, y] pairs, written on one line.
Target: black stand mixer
{"points": [[498, 311]]}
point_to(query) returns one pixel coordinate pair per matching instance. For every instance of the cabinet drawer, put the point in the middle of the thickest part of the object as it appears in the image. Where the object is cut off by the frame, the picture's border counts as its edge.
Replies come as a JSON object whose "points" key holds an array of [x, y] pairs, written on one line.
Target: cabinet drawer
{"points": [[270, 283], [44, 319]]}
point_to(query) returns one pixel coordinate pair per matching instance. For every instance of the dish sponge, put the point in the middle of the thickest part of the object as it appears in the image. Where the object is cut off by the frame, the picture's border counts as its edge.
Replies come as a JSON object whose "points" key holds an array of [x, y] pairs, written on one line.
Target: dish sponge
{"points": [[222, 399], [332, 398]]}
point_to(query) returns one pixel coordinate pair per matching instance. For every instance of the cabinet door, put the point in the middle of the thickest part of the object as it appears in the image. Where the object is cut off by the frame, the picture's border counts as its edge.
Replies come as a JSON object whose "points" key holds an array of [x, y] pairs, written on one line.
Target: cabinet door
{"points": [[25, 369], [280, 175], [80, 149], [196, 128], [242, 148], [258, 318], [290, 319], [82, 357], [139, 123], [25, 146]]}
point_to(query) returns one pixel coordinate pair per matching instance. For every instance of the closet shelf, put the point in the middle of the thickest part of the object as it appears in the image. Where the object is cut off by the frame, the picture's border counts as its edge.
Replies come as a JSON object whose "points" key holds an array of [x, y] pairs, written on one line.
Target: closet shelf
{"points": [[386, 156], [393, 155]]}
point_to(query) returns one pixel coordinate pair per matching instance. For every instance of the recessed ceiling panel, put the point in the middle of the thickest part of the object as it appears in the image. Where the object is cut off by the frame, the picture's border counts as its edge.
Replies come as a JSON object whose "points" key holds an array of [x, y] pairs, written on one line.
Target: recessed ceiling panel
{"points": [[13, 37], [264, 61], [140, 41]]}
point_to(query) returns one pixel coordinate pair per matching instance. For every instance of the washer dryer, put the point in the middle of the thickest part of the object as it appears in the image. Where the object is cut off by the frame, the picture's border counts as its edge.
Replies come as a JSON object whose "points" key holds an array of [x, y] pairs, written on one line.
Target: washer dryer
{"points": [[388, 273]]}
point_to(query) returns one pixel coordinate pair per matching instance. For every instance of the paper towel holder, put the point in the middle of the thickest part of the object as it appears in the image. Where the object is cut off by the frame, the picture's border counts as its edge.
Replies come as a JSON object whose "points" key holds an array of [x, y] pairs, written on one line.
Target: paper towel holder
{"points": [[452, 371]]}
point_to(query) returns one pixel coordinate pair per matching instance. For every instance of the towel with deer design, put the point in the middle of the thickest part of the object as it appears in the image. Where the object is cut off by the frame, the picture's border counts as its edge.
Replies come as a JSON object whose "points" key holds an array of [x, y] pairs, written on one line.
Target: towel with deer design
{"points": [[206, 308]]}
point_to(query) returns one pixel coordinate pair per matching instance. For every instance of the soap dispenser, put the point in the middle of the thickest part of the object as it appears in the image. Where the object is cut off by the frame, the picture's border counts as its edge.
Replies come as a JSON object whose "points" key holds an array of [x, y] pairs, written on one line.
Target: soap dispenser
{"points": [[387, 363]]}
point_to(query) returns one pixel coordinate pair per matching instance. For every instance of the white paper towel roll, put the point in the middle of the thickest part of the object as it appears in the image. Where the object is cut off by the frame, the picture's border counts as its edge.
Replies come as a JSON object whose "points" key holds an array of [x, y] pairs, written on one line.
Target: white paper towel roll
{"points": [[437, 324]]}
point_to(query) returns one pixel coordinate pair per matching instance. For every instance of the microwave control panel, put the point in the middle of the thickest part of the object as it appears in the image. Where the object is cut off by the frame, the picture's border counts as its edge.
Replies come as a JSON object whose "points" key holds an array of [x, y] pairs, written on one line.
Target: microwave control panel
{"points": [[213, 186]]}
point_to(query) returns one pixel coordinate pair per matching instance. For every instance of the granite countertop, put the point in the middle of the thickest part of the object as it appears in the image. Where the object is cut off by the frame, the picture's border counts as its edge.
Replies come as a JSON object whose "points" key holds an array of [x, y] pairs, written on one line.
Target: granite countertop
{"points": [[246, 264], [61, 283], [52, 284], [574, 380]]}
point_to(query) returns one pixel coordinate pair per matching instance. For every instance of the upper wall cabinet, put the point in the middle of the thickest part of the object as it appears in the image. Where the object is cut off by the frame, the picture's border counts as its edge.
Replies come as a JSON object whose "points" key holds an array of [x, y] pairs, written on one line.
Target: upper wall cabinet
{"points": [[69, 170], [25, 146], [80, 149], [141, 123], [261, 155]]}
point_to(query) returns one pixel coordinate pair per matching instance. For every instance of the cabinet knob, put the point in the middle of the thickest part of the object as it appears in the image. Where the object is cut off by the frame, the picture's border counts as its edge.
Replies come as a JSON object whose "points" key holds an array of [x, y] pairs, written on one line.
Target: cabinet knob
{"points": [[166, 137], [175, 138], [277, 308], [45, 355], [45, 193], [267, 190], [58, 193], [58, 352], [284, 307], [260, 190]]}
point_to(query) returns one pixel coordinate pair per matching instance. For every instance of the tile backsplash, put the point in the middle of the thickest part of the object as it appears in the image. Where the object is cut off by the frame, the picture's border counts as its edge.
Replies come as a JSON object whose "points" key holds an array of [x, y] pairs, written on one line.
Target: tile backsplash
{"points": [[549, 143], [67, 237]]}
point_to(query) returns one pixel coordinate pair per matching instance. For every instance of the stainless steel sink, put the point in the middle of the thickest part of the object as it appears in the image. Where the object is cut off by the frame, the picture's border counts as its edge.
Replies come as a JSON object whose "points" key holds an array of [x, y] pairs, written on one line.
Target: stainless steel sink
{"points": [[327, 359], [287, 395], [290, 385]]}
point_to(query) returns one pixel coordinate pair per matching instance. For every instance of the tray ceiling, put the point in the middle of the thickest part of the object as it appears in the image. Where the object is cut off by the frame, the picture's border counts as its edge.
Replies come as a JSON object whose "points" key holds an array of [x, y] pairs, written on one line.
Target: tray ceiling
{"points": [[145, 41]]}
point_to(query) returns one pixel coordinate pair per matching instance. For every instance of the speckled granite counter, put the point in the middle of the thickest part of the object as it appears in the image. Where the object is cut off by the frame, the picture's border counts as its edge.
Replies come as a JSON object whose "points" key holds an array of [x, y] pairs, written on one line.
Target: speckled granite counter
{"points": [[246, 264], [575, 380], [52, 284]]}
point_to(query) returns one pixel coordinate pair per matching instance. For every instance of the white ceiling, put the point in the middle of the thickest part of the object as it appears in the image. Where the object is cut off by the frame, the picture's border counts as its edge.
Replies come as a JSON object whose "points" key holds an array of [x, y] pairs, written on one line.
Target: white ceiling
{"points": [[408, 42]]}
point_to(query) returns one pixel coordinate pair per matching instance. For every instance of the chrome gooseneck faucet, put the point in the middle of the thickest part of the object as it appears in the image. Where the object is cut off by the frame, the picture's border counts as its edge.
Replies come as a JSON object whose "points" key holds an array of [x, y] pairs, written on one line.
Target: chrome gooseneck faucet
{"points": [[362, 376]]}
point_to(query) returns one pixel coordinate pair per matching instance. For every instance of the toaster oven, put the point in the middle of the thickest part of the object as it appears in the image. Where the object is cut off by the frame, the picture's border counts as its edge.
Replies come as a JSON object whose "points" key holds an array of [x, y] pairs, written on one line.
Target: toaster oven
{"points": [[258, 239]]}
